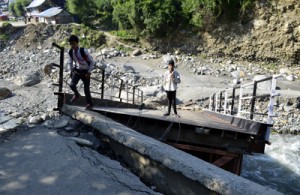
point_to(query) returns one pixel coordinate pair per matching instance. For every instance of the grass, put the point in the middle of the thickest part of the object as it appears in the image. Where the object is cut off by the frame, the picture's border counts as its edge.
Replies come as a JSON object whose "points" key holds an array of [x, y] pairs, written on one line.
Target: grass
{"points": [[270, 66], [4, 37], [125, 35], [6, 24]]}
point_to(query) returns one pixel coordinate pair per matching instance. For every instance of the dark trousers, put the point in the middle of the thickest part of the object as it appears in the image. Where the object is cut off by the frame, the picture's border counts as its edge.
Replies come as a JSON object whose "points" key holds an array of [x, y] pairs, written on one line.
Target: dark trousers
{"points": [[171, 95], [86, 83]]}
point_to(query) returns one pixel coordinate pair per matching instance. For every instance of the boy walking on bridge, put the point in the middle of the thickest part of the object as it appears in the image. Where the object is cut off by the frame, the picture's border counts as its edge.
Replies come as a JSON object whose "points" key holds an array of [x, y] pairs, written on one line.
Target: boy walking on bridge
{"points": [[84, 65]]}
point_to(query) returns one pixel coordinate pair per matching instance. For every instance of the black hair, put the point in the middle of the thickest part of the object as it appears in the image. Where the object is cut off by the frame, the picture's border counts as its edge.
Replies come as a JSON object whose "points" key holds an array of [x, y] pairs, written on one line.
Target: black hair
{"points": [[73, 38], [171, 62]]}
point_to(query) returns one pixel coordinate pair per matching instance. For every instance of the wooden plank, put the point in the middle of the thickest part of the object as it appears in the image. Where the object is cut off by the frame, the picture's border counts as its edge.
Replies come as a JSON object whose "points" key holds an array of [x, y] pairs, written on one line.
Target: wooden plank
{"points": [[205, 150], [223, 160], [200, 119]]}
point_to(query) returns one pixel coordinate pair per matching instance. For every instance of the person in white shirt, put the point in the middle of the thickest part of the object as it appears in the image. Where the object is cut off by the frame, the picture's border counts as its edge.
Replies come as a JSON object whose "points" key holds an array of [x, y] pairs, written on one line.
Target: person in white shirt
{"points": [[84, 65], [171, 79]]}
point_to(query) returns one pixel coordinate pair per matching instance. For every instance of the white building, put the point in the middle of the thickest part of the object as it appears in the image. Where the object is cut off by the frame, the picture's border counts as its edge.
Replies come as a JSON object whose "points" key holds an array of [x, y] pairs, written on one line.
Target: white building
{"points": [[39, 11]]}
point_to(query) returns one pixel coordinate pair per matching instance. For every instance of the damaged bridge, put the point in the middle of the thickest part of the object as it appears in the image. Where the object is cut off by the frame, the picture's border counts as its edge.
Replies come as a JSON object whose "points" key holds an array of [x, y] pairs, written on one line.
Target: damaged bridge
{"points": [[200, 152]]}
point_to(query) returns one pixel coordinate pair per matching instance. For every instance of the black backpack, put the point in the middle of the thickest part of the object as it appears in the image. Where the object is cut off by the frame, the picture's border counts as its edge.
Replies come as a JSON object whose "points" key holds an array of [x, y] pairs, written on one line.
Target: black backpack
{"points": [[82, 53]]}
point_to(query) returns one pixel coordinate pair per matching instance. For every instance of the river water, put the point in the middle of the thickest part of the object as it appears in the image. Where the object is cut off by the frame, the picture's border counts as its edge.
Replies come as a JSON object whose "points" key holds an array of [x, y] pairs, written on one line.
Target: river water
{"points": [[279, 167]]}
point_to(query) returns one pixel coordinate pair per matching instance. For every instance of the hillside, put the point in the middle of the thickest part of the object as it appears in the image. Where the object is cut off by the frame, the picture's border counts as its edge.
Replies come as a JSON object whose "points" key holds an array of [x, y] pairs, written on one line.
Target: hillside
{"points": [[270, 34]]}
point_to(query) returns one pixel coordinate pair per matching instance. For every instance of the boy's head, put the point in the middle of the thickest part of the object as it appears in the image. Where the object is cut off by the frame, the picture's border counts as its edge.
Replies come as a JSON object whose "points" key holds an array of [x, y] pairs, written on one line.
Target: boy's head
{"points": [[74, 40], [171, 65]]}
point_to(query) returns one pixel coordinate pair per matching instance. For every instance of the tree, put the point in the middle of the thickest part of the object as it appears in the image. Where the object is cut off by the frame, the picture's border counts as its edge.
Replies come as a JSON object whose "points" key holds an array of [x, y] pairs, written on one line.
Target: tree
{"points": [[17, 8], [155, 18], [147, 17], [85, 10], [12, 8], [121, 11], [104, 13], [159, 17], [91, 12], [200, 12], [196, 11]]}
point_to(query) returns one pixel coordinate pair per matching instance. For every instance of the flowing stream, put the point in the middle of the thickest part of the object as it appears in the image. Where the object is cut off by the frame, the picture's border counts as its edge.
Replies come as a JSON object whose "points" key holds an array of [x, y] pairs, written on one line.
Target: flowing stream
{"points": [[279, 167]]}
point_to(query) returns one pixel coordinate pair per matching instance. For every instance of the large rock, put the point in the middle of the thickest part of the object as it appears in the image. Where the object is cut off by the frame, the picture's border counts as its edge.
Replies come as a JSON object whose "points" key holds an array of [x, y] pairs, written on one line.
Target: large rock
{"points": [[137, 52], [128, 68], [167, 58], [238, 74], [28, 78], [4, 93], [8, 123]]}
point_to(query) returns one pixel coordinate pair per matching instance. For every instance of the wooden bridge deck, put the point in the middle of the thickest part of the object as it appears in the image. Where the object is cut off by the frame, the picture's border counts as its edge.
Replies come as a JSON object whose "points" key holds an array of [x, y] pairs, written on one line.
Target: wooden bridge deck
{"points": [[204, 119]]}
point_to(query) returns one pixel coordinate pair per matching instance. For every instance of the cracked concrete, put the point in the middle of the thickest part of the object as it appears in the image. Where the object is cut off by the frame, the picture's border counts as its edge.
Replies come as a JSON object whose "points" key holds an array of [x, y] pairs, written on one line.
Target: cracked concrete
{"points": [[40, 161], [175, 172]]}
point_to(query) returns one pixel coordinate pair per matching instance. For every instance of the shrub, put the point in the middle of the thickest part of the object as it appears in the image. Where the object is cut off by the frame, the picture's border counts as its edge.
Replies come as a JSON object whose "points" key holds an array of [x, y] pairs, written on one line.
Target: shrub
{"points": [[125, 35], [4, 37], [6, 24]]}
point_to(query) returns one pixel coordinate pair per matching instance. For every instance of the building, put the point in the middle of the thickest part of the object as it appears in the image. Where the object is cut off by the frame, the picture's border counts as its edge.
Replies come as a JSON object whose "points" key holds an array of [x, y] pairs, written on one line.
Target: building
{"points": [[4, 5], [48, 11], [54, 15]]}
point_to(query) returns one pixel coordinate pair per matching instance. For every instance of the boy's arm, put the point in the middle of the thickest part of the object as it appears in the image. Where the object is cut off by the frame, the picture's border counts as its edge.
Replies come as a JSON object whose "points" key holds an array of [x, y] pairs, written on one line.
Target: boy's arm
{"points": [[90, 59], [70, 63]]}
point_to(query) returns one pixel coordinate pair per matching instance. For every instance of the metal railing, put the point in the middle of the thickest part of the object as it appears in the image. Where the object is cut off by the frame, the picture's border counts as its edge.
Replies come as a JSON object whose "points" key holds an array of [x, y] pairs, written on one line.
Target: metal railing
{"points": [[116, 88], [133, 94], [230, 102], [61, 74]]}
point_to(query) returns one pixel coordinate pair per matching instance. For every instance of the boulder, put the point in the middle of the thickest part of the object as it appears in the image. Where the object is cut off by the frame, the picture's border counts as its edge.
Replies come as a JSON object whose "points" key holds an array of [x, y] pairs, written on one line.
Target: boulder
{"points": [[238, 74], [107, 51], [137, 52], [128, 68], [28, 79], [82, 142], [35, 119], [4, 93], [290, 77], [8, 123], [48, 69]]}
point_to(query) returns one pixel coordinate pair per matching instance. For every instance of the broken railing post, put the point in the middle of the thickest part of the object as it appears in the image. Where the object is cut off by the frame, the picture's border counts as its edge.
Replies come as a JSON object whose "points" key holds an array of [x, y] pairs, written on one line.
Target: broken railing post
{"points": [[253, 100], [61, 77]]}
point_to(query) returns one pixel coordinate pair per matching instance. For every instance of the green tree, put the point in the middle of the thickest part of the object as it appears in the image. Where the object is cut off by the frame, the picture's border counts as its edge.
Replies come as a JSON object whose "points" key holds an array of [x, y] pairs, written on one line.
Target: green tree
{"points": [[17, 8], [121, 11], [200, 12], [12, 8], [85, 10], [104, 13], [196, 11], [148, 17], [159, 16]]}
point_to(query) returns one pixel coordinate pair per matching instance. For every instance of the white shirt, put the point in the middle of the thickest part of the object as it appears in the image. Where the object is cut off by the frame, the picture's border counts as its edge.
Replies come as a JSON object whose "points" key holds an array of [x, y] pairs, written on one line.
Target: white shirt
{"points": [[169, 83], [81, 63]]}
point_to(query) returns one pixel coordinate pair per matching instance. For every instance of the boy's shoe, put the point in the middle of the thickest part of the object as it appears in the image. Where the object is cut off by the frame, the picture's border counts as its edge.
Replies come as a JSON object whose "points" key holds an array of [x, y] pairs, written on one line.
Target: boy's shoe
{"points": [[89, 107], [177, 115], [74, 98], [166, 114]]}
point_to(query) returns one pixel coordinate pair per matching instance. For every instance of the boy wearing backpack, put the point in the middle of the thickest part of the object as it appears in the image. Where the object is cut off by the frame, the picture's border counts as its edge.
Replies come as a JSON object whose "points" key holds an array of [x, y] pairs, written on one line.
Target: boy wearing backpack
{"points": [[84, 65]]}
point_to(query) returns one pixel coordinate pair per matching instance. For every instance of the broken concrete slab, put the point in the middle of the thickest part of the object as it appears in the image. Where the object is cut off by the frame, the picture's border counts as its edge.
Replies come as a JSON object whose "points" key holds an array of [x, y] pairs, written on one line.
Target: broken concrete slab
{"points": [[8, 123], [175, 172], [40, 161]]}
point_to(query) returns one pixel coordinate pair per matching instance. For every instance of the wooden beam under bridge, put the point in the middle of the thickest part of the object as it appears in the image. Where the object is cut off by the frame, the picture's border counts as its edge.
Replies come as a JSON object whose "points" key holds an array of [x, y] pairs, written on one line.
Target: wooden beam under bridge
{"points": [[224, 159]]}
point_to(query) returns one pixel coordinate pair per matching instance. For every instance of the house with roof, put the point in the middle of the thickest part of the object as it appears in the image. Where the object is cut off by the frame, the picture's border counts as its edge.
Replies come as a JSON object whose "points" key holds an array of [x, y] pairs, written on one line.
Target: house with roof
{"points": [[4, 5], [48, 11]]}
